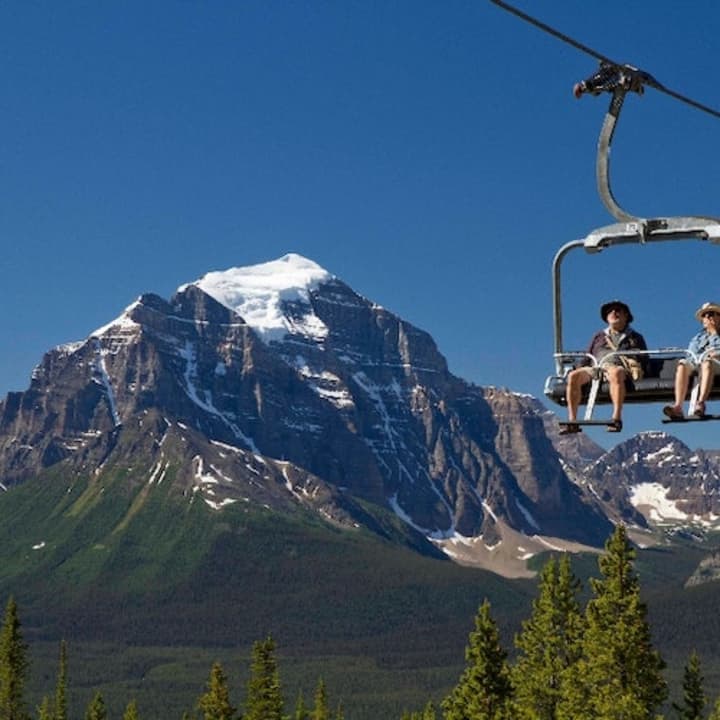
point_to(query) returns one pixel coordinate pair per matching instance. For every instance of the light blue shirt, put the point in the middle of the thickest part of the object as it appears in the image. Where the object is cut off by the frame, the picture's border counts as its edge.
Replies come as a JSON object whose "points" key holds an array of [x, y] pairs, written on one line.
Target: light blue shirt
{"points": [[704, 341]]}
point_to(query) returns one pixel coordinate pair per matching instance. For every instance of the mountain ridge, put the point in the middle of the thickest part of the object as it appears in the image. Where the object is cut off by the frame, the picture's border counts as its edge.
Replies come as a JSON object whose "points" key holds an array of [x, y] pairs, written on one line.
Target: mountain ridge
{"points": [[325, 400], [323, 394]]}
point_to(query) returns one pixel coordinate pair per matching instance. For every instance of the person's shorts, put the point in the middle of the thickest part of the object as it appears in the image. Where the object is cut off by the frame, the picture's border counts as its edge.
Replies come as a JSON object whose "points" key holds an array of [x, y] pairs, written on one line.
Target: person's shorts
{"points": [[593, 370], [694, 367]]}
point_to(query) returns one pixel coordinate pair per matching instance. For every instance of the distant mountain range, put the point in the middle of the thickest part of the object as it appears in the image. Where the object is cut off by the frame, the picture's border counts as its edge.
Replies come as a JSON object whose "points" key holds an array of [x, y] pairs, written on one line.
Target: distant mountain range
{"points": [[277, 386]]}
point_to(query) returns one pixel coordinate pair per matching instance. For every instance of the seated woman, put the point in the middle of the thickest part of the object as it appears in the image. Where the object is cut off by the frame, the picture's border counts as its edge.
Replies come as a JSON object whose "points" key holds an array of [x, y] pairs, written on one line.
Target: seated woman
{"points": [[705, 347]]}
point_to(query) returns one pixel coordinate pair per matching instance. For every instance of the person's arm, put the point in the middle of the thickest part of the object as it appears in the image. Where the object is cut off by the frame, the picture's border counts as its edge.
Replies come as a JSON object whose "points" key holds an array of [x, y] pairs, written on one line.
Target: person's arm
{"points": [[592, 348], [694, 346], [640, 344], [714, 345]]}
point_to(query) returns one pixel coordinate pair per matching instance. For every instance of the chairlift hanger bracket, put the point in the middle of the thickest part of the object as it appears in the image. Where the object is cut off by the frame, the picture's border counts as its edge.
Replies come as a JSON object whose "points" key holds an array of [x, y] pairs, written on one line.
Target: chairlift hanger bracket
{"points": [[619, 79]]}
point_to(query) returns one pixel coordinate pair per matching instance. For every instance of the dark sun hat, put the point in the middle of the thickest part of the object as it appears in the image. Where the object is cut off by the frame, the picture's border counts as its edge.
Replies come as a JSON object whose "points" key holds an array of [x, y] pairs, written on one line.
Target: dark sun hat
{"points": [[612, 305]]}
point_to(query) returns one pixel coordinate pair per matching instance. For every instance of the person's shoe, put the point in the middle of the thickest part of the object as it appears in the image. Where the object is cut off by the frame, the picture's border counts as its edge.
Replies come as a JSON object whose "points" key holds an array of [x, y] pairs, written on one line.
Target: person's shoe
{"points": [[699, 409], [570, 429], [615, 425], [671, 412]]}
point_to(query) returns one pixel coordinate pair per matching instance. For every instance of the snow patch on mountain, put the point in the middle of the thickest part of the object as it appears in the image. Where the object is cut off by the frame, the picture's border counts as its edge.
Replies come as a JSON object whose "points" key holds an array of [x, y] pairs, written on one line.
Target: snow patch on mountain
{"points": [[121, 323], [431, 535], [193, 390], [157, 474], [526, 514], [105, 381], [70, 347], [654, 496], [665, 454], [205, 482], [261, 293], [326, 384]]}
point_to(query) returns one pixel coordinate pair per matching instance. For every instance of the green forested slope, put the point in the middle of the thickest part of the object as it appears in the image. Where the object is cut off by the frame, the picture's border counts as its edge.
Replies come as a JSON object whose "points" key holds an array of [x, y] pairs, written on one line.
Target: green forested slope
{"points": [[149, 588]]}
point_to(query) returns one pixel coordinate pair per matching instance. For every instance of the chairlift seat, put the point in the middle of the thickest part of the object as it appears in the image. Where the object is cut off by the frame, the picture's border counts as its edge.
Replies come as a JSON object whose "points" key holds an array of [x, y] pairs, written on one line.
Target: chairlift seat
{"points": [[657, 386]]}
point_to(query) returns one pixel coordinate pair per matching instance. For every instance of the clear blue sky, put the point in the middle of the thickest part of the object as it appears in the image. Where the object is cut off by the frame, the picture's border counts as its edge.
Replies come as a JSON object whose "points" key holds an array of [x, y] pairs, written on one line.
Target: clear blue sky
{"points": [[430, 154]]}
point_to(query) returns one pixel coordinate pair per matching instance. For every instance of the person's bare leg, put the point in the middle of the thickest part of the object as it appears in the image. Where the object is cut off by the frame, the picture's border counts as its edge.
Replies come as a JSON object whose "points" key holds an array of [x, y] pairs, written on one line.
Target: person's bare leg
{"points": [[616, 382], [707, 375], [682, 379], [576, 379]]}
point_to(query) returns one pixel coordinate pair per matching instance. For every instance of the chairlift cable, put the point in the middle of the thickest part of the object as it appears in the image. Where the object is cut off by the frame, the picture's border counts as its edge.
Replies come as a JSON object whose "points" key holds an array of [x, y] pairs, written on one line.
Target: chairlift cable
{"points": [[633, 77], [552, 31]]}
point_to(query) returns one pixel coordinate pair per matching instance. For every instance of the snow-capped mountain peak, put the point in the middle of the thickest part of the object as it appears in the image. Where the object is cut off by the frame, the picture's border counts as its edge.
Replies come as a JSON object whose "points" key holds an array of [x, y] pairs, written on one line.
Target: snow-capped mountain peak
{"points": [[313, 395], [122, 323], [260, 294]]}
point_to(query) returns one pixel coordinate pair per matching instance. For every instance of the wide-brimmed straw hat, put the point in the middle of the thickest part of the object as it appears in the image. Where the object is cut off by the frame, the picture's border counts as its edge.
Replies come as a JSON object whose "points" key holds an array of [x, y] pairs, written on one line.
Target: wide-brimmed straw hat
{"points": [[608, 306], [707, 307]]}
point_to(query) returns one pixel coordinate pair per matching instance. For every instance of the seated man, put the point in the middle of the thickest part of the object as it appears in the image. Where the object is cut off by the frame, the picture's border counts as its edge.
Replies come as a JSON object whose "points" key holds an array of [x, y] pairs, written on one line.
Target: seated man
{"points": [[704, 348], [618, 335]]}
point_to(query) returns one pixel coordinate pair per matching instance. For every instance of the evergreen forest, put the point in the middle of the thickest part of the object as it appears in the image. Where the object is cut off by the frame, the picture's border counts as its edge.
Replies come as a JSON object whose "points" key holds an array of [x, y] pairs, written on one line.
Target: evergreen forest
{"points": [[572, 660]]}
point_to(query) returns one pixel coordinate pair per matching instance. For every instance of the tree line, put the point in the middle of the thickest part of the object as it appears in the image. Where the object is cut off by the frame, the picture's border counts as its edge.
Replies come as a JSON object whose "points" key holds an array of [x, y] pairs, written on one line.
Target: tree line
{"points": [[572, 663], [264, 697]]}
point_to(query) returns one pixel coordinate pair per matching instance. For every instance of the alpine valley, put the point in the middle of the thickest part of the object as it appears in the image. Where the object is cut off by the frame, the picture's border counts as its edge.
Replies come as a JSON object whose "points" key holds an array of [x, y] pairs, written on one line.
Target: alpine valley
{"points": [[268, 451]]}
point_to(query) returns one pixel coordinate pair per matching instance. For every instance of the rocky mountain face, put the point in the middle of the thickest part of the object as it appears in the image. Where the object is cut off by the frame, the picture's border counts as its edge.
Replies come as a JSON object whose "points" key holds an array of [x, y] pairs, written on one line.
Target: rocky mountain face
{"points": [[252, 386], [657, 486], [654, 480]]}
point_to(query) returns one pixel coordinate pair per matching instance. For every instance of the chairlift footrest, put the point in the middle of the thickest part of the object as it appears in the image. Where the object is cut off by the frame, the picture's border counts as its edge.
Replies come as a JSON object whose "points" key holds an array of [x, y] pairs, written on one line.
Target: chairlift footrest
{"points": [[690, 418]]}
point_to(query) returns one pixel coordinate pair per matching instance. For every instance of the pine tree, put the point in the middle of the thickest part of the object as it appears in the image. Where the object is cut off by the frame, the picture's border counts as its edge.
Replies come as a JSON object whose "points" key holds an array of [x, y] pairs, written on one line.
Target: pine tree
{"points": [[96, 709], [44, 709], [13, 666], [215, 703], [131, 711], [694, 699], [301, 712], [484, 690], [264, 698], [428, 713], [619, 673], [340, 712], [61, 711], [320, 709], [715, 714], [550, 643]]}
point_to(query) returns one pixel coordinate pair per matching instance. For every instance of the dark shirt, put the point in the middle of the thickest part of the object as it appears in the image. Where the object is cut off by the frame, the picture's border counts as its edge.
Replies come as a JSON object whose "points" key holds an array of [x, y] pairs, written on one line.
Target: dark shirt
{"points": [[629, 340]]}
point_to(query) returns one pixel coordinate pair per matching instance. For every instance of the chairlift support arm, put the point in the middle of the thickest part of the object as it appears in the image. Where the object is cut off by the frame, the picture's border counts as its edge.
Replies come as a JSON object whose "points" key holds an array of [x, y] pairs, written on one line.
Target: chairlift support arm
{"points": [[618, 79], [602, 164]]}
